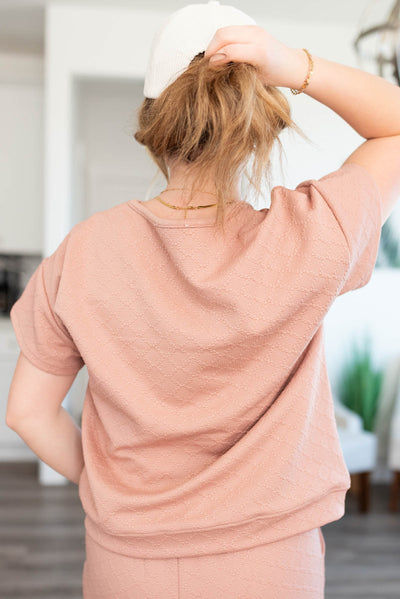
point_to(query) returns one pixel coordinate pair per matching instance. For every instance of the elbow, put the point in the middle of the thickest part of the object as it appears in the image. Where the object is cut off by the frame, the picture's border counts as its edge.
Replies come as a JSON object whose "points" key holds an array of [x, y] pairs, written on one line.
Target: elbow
{"points": [[14, 421], [20, 422], [11, 421]]}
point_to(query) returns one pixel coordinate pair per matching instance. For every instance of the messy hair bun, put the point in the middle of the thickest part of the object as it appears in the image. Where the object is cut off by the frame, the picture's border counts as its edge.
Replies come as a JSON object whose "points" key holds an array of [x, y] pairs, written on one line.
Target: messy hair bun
{"points": [[215, 119]]}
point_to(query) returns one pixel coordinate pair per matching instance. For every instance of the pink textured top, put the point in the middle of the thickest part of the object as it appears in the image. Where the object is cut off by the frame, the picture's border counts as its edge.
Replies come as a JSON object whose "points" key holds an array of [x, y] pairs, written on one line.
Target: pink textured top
{"points": [[208, 421]]}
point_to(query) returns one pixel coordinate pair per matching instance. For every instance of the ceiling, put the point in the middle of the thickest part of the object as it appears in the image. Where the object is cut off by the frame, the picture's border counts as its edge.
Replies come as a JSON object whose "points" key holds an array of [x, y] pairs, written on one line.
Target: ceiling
{"points": [[22, 21]]}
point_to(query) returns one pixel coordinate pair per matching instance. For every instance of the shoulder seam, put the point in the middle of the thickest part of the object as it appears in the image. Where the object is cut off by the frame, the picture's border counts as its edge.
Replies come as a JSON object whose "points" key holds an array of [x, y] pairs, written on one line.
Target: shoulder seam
{"points": [[313, 183]]}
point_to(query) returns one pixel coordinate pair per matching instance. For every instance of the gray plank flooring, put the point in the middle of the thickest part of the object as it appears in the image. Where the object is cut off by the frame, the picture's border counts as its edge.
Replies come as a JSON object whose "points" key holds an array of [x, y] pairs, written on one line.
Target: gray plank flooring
{"points": [[42, 546]]}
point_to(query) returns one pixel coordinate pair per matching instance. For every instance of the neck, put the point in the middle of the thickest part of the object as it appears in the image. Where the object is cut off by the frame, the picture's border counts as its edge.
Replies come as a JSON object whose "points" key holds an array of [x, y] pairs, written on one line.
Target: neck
{"points": [[206, 195]]}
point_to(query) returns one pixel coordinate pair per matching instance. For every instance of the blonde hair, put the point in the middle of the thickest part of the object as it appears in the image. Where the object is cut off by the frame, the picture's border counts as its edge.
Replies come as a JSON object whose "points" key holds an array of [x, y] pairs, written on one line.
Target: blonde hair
{"points": [[215, 119]]}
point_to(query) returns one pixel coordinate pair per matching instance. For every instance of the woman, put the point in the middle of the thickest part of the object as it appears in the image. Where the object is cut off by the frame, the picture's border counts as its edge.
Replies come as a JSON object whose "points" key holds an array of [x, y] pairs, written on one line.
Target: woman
{"points": [[209, 456]]}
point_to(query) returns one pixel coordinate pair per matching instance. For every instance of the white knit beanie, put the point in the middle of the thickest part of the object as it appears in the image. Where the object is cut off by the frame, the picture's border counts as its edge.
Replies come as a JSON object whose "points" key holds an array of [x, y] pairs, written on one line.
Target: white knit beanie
{"points": [[184, 34]]}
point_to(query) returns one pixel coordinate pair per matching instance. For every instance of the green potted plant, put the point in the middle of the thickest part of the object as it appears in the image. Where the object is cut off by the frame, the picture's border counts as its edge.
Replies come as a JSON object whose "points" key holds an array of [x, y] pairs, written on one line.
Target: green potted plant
{"points": [[360, 383]]}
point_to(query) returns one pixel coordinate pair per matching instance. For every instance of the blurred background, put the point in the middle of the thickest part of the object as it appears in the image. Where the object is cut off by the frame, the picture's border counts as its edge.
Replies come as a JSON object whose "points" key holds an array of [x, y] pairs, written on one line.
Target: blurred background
{"points": [[71, 80]]}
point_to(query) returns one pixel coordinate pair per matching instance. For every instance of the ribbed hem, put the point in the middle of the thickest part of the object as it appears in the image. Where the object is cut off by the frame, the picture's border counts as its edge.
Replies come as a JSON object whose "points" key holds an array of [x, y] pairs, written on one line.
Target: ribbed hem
{"points": [[233, 538]]}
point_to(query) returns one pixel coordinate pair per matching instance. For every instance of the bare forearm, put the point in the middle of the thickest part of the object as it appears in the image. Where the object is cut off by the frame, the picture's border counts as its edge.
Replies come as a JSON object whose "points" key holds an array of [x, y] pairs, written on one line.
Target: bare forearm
{"points": [[55, 439], [368, 103]]}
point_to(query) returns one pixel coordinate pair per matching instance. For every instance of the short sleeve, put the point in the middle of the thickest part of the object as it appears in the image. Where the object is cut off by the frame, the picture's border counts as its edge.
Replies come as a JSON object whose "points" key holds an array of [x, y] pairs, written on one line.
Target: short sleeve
{"points": [[355, 202], [41, 334]]}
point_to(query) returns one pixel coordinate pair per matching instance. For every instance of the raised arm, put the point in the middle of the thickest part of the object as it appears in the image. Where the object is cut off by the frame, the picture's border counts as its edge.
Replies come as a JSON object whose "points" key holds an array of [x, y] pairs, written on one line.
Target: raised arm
{"points": [[371, 106], [367, 102]]}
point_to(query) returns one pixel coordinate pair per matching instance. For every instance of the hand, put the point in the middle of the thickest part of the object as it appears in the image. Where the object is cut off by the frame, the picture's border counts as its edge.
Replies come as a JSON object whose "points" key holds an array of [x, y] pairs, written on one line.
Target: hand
{"points": [[277, 64]]}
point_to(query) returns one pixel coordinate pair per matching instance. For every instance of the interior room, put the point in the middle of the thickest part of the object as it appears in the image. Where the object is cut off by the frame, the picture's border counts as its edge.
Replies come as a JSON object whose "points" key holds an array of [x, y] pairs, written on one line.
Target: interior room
{"points": [[71, 84]]}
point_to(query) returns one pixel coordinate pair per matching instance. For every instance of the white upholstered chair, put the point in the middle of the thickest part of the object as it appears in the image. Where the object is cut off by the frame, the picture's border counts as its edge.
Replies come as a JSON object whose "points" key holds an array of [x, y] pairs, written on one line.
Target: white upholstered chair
{"points": [[391, 395]]}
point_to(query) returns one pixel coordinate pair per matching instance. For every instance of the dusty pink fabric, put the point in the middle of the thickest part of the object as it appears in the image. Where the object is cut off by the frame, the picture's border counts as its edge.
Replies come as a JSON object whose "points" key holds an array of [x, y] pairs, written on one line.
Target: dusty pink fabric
{"points": [[208, 422], [293, 568]]}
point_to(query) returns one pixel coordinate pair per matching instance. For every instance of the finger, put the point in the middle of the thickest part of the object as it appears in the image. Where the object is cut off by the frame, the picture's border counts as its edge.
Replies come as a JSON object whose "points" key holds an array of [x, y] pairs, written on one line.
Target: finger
{"points": [[236, 53], [228, 35]]}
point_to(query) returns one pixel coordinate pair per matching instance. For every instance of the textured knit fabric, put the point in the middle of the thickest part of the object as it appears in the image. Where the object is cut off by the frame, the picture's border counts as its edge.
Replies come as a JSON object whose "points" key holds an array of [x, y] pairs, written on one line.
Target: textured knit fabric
{"points": [[208, 421], [292, 568]]}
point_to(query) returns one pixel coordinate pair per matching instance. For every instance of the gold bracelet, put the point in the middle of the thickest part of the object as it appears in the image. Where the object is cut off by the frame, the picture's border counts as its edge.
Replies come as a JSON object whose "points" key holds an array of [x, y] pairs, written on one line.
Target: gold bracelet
{"points": [[310, 71]]}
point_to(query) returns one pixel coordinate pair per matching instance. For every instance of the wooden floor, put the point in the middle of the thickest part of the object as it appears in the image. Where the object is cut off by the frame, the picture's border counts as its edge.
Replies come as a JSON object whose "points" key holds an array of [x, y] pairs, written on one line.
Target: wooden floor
{"points": [[42, 543]]}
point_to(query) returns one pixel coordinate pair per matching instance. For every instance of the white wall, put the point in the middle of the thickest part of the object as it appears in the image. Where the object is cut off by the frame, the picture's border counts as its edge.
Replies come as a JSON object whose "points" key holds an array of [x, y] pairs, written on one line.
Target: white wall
{"points": [[21, 126], [113, 166]]}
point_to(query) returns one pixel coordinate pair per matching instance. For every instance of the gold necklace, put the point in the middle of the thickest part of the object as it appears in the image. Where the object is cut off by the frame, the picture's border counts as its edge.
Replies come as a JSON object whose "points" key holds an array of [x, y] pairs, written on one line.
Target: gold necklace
{"points": [[185, 208]]}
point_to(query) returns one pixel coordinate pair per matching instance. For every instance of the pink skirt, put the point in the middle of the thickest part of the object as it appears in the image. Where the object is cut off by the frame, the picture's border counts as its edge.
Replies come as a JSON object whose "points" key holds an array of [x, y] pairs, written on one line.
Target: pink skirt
{"points": [[291, 568]]}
